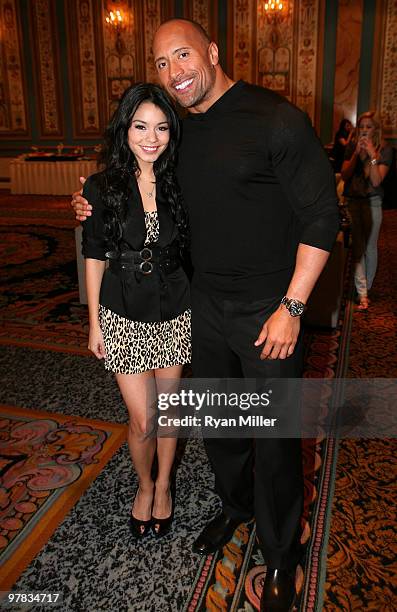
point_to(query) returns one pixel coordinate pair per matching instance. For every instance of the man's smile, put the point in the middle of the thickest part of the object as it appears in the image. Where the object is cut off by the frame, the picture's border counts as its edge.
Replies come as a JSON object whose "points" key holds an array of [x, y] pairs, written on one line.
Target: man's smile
{"points": [[182, 86]]}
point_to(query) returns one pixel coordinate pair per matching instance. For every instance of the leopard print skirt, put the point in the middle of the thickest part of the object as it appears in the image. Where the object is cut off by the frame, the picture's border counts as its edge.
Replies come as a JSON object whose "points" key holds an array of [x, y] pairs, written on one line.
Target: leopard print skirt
{"points": [[133, 346]]}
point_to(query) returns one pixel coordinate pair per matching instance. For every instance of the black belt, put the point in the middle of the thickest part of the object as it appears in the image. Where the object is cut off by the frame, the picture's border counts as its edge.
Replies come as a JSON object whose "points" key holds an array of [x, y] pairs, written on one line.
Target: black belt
{"points": [[145, 261]]}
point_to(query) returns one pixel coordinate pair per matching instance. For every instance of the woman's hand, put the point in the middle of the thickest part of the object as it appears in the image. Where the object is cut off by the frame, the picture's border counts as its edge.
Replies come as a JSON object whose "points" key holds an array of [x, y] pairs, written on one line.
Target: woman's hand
{"points": [[95, 342], [367, 145], [359, 147]]}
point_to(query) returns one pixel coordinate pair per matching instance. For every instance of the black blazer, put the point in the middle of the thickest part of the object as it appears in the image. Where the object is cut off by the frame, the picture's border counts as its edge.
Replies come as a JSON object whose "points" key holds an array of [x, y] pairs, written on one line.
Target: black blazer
{"points": [[151, 297]]}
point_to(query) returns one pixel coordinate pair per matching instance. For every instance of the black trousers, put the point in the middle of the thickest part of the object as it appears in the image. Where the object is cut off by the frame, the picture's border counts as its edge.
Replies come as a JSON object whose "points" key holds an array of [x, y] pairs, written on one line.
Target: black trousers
{"points": [[261, 477]]}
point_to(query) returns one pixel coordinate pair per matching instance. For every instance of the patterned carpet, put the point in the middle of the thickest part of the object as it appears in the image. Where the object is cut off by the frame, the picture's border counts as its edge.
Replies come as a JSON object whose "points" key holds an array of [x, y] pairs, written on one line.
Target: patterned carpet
{"points": [[34, 208], [91, 557], [362, 549], [47, 461], [39, 305]]}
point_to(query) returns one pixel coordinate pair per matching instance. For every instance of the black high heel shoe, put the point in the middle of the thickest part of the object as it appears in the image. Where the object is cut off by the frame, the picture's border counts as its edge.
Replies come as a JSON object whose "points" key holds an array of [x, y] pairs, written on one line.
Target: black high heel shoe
{"points": [[162, 526], [138, 528]]}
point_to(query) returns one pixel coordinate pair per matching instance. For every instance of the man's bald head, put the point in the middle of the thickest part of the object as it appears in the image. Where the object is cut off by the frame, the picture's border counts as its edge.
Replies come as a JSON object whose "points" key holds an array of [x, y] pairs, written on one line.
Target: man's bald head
{"points": [[189, 24]]}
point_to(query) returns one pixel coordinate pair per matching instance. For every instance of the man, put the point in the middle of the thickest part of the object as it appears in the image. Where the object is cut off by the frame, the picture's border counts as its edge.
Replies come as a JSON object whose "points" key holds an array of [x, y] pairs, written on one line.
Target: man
{"points": [[262, 208]]}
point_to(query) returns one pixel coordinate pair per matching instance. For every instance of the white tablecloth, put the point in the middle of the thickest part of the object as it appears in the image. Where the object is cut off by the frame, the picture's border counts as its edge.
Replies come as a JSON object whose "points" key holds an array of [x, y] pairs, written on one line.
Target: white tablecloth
{"points": [[56, 178]]}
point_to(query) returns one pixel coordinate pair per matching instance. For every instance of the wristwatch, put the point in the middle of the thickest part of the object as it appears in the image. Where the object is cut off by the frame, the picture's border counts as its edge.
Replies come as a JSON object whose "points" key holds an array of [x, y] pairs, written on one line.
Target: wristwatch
{"points": [[294, 307], [373, 161]]}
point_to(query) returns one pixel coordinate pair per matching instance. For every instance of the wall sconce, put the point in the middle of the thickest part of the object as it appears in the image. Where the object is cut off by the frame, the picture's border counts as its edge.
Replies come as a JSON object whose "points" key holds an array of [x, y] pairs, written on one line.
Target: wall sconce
{"points": [[114, 18], [273, 6], [116, 21], [273, 11]]}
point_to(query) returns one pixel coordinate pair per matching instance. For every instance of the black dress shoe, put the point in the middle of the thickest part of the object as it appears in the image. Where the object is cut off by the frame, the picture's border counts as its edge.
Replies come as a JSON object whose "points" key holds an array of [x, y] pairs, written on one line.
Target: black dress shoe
{"points": [[216, 534], [278, 593]]}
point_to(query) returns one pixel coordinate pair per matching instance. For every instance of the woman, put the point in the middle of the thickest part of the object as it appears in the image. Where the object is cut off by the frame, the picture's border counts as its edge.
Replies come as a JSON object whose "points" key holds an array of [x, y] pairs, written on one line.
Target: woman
{"points": [[341, 140], [367, 161], [139, 307]]}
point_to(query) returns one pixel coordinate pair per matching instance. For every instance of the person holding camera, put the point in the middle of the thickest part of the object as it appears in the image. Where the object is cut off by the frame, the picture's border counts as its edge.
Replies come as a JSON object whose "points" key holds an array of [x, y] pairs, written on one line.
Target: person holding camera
{"points": [[367, 161]]}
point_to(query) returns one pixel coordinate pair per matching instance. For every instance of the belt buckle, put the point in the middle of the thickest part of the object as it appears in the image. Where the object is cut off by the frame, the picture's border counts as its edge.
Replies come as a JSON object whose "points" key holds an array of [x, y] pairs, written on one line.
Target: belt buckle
{"points": [[146, 266], [146, 254], [149, 267]]}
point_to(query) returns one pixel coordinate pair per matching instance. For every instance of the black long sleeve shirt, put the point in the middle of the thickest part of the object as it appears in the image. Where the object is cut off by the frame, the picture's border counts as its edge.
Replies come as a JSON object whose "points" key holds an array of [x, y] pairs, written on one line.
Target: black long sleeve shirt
{"points": [[134, 296], [256, 182]]}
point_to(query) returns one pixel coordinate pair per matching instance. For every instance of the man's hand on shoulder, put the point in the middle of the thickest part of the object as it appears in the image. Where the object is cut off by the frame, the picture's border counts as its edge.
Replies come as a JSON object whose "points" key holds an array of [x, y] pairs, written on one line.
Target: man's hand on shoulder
{"points": [[279, 335], [80, 205]]}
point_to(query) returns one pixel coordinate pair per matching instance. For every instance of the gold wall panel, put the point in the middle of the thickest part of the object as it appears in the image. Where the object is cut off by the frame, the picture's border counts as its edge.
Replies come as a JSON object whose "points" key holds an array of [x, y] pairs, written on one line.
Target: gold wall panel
{"points": [[275, 50], [44, 31], [121, 61], [242, 40], [347, 66], [84, 46], [384, 75], [205, 12], [279, 51], [152, 18], [308, 53], [13, 111]]}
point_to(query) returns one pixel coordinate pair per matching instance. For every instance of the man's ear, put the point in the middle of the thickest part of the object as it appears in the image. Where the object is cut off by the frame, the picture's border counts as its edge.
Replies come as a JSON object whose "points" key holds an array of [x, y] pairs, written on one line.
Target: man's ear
{"points": [[213, 54]]}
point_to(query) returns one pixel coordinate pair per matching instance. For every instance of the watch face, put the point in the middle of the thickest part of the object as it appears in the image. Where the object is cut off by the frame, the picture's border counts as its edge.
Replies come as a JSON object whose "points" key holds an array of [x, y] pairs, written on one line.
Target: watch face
{"points": [[296, 308]]}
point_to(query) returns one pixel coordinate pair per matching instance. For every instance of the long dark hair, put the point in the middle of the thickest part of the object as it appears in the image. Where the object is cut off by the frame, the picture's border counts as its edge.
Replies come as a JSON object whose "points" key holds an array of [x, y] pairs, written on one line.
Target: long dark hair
{"points": [[120, 162], [343, 132]]}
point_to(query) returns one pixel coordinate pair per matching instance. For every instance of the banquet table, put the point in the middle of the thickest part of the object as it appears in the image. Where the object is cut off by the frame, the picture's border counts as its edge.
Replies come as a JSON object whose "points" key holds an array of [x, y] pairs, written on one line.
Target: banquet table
{"points": [[43, 177]]}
